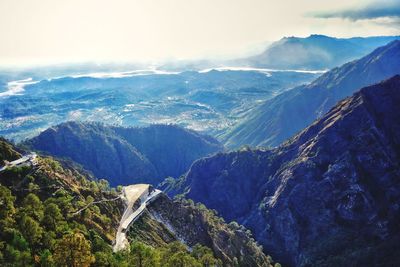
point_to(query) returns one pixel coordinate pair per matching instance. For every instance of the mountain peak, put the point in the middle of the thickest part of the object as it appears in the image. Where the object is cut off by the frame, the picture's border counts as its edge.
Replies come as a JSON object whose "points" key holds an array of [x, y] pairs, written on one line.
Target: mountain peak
{"points": [[334, 184], [377, 99], [126, 154], [316, 51], [311, 36], [389, 86], [288, 113], [317, 36]]}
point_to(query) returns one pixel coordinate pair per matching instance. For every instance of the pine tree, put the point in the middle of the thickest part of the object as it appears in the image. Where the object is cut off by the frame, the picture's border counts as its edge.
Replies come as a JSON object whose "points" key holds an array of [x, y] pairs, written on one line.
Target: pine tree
{"points": [[73, 250]]}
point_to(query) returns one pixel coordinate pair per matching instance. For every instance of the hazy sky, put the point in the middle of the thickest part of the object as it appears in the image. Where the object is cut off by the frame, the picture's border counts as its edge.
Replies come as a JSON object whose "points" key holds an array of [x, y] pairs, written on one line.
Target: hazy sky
{"points": [[45, 31]]}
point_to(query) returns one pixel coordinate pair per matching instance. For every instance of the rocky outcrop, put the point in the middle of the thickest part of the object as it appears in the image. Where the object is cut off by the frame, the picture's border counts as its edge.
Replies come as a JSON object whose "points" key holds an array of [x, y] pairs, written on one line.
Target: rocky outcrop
{"points": [[285, 115], [330, 195], [166, 221], [126, 155]]}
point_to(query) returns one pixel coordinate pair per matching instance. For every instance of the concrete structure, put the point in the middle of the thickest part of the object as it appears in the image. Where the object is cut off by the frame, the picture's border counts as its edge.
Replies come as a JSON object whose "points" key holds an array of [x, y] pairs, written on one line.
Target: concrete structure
{"points": [[27, 160], [141, 194]]}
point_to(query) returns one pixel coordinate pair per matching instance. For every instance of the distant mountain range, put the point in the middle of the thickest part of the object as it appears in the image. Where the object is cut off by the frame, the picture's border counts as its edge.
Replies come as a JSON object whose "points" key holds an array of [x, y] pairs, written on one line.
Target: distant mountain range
{"points": [[316, 51], [329, 196], [126, 155], [288, 113]]}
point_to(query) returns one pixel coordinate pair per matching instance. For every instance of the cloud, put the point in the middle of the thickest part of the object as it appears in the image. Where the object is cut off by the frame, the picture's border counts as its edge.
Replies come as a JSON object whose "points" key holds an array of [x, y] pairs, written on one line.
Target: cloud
{"points": [[374, 10]]}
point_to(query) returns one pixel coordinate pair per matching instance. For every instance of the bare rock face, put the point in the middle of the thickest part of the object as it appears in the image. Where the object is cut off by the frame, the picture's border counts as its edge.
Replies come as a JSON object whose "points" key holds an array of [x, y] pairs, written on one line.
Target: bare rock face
{"points": [[165, 221], [330, 195]]}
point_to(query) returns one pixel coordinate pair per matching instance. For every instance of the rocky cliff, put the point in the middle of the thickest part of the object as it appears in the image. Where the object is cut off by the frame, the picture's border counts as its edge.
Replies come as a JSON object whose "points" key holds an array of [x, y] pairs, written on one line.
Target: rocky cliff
{"points": [[329, 196], [166, 221]]}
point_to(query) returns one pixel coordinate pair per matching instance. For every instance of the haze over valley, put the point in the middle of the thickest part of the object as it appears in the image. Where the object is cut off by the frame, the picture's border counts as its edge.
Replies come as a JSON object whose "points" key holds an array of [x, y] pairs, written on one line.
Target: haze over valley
{"points": [[199, 133]]}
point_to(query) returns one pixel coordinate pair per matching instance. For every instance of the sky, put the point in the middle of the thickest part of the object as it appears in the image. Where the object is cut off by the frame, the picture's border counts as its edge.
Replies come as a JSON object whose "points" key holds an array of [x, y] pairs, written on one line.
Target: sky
{"points": [[58, 31]]}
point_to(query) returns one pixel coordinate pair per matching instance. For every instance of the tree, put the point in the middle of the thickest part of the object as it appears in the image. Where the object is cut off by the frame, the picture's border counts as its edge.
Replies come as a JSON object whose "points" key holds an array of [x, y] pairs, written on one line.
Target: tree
{"points": [[205, 256], [89, 199], [98, 244], [63, 201], [49, 239], [208, 260], [18, 258], [31, 229], [46, 259], [7, 209], [142, 255], [105, 259], [103, 185], [18, 241], [32, 187], [199, 251], [175, 247], [182, 259], [175, 254], [33, 207], [93, 187], [52, 215], [73, 250]]}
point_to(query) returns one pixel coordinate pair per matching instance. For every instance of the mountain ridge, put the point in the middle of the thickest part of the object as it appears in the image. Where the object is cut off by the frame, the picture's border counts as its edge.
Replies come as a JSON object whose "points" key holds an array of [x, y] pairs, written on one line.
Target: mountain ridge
{"points": [[337, 179], [126, 155], [283, 116], [316, 51], [47, 207]]}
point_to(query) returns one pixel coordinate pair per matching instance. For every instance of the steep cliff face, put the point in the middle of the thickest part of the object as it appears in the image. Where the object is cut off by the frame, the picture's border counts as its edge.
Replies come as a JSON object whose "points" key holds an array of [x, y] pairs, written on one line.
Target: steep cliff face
{"points": [[126, 155], [166, 221], [329, 195], [288, 113]]}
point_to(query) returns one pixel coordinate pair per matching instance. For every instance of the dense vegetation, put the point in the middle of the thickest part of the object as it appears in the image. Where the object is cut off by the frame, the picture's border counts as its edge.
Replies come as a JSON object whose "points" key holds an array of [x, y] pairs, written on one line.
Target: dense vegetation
{"points": [[41, 233], [53, 215], [126, 155], [192, 223], [66, 229], [173, 254]]}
